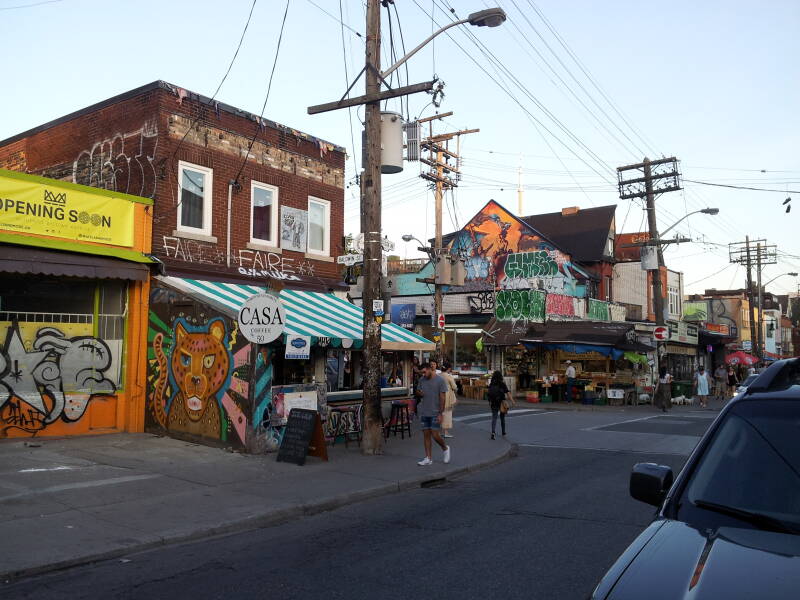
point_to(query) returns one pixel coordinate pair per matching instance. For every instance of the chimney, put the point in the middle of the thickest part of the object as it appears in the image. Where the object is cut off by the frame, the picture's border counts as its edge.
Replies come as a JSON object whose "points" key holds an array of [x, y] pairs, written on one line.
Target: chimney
{"points": [[570, 210]]}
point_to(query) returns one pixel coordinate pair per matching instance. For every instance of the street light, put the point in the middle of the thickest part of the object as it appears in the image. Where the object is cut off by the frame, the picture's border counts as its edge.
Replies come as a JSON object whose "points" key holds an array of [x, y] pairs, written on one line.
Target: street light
{"points": [[423, 248], [790, 274], [705, 211], [491, 17]]}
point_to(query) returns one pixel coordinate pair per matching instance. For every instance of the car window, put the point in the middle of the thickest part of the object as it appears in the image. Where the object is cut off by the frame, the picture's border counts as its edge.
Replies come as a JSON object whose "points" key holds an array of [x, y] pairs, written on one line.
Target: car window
{"points": [[750, 379], [753, 461]]}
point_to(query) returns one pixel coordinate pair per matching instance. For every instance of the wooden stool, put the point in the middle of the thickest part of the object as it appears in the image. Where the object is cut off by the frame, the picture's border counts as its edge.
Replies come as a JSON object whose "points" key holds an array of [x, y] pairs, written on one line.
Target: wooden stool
{"points": [[401, 418], [342, 425]]}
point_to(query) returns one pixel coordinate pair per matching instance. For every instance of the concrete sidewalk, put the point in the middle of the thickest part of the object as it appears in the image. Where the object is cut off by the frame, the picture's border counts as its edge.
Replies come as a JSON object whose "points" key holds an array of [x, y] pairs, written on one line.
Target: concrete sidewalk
{"points": [[714, 405], [65, 502]]}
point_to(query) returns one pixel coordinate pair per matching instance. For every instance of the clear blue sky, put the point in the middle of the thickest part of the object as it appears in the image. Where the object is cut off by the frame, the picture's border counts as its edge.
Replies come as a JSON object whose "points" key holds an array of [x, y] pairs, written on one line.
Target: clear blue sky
{"points": [[715, 83]]}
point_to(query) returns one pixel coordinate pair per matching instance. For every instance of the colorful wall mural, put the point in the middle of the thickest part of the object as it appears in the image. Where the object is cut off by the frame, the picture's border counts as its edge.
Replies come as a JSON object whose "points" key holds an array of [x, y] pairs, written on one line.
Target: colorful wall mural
{"points": [[503, 252], [198, 372], [51, 372]]}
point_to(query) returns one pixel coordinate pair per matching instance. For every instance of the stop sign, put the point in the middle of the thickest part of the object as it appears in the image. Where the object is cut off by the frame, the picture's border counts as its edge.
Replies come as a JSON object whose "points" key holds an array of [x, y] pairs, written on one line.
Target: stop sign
{"points": [[661, 333], [440, 321]]}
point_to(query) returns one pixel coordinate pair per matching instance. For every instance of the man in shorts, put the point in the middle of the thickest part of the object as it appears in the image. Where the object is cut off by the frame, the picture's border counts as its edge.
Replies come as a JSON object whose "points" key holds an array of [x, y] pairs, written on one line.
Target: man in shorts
{"points": [[431, 391]]}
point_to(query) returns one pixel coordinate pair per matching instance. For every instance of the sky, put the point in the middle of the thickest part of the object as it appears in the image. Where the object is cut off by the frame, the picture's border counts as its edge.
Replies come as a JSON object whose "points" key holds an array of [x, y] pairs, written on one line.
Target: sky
{"points": [[563, 93]]}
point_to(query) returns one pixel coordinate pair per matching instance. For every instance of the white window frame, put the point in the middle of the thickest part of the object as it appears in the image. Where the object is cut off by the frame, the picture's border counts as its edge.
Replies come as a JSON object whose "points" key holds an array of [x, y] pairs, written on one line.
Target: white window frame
{"points": [[207, 198], [673, 301], [326, 251], [273, 227]]}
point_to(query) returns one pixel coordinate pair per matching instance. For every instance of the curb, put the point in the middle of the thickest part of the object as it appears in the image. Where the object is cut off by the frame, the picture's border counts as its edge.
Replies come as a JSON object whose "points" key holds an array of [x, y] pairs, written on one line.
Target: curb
{"points": [[268, 519]]}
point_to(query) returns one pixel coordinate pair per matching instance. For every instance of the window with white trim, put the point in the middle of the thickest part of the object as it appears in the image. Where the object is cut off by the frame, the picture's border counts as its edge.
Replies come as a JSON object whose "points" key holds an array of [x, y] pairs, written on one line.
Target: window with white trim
{"points": [[194, 193], [674, 301], [319, 226], [263, 214]]}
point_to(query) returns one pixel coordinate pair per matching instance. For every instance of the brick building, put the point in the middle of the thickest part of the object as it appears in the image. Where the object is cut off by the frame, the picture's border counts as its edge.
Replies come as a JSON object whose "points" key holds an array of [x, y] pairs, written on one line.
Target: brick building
{"points": [[281, 224]]}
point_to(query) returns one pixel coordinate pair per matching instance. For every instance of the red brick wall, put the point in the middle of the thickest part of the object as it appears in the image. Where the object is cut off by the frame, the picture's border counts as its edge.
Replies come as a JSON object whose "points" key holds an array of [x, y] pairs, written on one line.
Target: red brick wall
{"points": [[133, 146]]}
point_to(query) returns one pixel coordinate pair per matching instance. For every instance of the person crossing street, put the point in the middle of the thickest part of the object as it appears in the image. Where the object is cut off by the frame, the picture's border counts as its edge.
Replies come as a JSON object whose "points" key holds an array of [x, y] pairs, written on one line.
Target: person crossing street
{"points": [[432, 392]]}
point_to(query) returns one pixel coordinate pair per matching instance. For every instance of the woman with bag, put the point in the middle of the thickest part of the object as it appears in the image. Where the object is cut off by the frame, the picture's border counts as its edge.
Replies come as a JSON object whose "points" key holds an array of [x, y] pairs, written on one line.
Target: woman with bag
{"points": [[499, 401], [450, 400]]}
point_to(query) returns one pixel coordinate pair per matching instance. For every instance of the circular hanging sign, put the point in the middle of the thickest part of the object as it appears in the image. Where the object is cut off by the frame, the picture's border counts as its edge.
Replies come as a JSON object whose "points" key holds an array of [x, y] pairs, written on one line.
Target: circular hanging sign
{"points": [[261, 318]]}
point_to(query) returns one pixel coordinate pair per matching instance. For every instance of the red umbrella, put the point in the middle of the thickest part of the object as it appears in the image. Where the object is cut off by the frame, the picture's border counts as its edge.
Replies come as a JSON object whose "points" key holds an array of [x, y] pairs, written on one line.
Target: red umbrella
{"points": [[741, 358]]}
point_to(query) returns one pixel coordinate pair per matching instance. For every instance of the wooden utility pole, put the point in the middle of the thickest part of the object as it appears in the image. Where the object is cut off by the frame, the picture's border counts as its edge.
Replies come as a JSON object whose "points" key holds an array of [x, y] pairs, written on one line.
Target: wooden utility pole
{"points": [[650, 183], [371, 206], [750, 299], [438, 147], [765, 254]]}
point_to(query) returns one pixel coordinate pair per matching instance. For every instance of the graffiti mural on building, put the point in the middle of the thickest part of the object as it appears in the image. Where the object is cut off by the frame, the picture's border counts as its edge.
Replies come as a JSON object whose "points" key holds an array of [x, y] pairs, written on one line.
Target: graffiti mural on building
{"points": [[125, 162], [198, 376], [559, 305], [482, 302], [253, 263], [520, 305], [598, 310], [503, 252], [57, 378]]}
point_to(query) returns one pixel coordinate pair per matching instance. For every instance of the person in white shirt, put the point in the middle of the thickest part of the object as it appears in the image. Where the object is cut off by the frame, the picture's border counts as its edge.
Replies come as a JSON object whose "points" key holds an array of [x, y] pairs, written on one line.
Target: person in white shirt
{"points": [[570, 374]]}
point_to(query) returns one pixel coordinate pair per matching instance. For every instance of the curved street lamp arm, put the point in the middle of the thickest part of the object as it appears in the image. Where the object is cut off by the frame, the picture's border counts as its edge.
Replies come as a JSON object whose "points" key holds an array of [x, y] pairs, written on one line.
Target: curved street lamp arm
{"points": [[400, 62]]}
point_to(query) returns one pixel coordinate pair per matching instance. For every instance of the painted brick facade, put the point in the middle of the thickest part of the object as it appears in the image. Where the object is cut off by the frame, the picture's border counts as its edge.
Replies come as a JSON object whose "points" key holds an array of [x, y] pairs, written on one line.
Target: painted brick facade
{"points": [[133, 143]]}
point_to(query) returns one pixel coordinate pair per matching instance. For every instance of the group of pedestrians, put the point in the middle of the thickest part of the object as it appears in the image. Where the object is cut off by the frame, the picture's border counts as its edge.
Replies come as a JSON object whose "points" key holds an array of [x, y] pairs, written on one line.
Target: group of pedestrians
{"points": [[435, 392], [721, 386]]}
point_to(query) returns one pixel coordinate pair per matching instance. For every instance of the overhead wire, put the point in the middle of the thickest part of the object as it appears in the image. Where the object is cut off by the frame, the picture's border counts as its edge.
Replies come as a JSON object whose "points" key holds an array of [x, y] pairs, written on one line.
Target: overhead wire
{"points": [[269, 89], [347, 83]]}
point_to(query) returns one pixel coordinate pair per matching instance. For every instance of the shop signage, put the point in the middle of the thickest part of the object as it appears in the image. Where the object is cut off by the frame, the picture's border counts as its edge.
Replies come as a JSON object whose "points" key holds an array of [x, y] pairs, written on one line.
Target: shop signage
{"points": [[404, 315], [377, 308], [682, 332], [695, 311], [30, 207], [298, 347], [717, 329], [261, 318], [306, 400], [302, 436], [661, 333], [685, 350], [747, 345]]}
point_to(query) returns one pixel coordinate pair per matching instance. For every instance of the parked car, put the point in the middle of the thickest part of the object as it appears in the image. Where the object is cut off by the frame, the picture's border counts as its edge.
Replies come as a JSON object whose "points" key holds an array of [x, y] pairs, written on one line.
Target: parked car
{"points": [[742, 387], [729, 525]]}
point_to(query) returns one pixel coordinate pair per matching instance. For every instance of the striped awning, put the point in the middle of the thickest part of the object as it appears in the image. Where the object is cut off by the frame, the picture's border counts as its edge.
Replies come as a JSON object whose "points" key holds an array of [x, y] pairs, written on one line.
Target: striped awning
{"points": [[312, 314]]}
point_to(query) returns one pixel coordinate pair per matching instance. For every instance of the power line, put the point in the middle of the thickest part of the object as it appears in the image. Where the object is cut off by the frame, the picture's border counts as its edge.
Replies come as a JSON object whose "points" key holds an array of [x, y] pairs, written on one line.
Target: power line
{"points": [[30, 5], [743, 187], [334, 17], [728, 266], [347, 83], [269, 88]]}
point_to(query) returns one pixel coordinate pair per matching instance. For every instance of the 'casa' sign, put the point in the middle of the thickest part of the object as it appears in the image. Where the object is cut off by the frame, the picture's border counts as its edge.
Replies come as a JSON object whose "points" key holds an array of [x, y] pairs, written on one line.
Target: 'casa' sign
{"points": [[261, 318]]}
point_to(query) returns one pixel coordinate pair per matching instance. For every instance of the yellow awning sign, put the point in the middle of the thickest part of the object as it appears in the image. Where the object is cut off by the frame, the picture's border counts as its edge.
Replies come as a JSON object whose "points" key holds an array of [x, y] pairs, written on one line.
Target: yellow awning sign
{"points": [[61, 211]]}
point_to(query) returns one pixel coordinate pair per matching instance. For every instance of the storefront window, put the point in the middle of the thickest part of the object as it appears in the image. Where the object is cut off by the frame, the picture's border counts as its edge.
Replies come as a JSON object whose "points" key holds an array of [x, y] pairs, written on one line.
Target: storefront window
{"points": [[461, 352], [60, 316]]}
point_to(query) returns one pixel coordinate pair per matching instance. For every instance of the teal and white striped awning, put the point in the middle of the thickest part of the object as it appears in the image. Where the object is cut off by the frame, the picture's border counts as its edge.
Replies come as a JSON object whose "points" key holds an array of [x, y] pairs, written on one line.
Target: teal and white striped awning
{"points": [[312, 314]]}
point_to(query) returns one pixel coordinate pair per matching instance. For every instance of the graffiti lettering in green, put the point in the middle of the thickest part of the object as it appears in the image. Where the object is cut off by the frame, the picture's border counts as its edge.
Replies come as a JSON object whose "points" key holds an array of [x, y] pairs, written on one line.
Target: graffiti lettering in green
{"points": [[520, 304], [530, 264], [598, 310]]}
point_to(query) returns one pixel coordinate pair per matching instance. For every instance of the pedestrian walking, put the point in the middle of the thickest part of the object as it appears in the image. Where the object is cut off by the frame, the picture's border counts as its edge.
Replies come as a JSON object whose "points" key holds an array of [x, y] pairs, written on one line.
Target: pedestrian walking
{"points": [[664, 390], [702, 384], [721, 381], [570, 375], [432, 391], [733, 381], [500, 401], [450, 401]]}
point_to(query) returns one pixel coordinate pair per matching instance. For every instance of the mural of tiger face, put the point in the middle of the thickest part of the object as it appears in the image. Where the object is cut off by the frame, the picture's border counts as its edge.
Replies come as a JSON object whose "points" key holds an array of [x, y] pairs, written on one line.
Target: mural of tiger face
{"points": [[199, 366]]}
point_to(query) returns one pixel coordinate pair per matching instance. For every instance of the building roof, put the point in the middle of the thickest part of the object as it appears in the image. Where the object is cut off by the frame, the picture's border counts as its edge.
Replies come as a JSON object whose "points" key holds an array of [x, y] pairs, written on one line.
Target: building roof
{"points": [[581, 233], [175, 90]]}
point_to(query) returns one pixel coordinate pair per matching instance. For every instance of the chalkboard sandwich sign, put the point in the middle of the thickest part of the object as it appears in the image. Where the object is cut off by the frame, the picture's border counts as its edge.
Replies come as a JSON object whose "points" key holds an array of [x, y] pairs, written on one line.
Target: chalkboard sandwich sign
{"points": [[302, 437]]}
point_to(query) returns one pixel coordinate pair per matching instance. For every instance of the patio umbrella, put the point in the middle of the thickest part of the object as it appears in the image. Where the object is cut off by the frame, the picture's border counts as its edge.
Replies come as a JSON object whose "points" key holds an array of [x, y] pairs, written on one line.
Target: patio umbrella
{"points": [[740, 358]]}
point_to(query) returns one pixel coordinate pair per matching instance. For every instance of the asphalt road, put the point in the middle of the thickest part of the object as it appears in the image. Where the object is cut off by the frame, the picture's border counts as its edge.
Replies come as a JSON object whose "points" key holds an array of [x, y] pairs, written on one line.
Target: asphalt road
{"points": [[546, 524]]}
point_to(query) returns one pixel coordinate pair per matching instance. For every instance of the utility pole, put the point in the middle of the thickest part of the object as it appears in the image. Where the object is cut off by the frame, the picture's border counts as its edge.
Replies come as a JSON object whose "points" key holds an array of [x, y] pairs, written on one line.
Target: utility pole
{"points": [[750, 300], [651, 178], [371, 207], [765, 254], [438, 155]]}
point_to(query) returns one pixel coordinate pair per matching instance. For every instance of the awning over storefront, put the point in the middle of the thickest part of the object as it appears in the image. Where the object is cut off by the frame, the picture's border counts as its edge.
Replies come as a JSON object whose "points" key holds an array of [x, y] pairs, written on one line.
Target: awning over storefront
{"points": [[311, 314], [39, 261], [610, 339]]}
